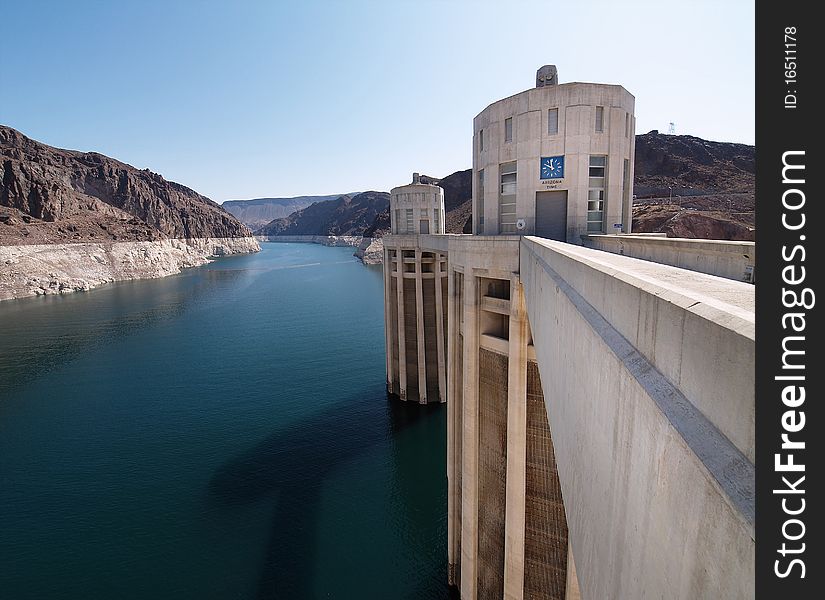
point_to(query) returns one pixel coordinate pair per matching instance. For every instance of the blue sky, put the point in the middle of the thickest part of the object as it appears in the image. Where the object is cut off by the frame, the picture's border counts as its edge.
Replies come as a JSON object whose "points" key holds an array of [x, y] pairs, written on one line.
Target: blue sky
{"points": [[247, 99]]}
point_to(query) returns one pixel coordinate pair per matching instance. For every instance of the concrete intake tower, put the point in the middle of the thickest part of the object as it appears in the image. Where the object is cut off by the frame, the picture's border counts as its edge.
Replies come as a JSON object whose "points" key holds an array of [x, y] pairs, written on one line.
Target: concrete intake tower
{"points": [[599, 384]]}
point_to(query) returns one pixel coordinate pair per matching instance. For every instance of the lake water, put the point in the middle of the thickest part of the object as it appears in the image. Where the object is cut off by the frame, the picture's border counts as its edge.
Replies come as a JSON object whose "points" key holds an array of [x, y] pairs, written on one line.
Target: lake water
{"points": [[223, 433]]}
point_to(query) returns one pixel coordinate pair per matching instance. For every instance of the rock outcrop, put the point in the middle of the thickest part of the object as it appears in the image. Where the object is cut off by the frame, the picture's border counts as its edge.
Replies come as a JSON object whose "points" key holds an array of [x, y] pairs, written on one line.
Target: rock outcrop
{"points": [[675, 221], [689, 187], [100, 197], [73, 208], [371, 251], [690, 166]]}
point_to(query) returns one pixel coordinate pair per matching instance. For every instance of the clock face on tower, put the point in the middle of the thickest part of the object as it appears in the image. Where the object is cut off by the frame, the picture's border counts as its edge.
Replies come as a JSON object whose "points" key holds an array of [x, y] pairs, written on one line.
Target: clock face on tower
{"points": [[552, 167]]}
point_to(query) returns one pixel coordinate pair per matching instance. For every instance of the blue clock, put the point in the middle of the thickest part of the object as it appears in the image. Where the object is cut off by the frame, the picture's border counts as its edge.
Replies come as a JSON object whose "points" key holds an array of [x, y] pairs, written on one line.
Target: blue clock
{"points": [[552, 167]]}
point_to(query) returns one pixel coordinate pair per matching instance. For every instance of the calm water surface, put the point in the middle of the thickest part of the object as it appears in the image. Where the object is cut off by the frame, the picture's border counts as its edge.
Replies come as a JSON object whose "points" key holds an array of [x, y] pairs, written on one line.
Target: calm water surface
{"points": [[223, 433]]}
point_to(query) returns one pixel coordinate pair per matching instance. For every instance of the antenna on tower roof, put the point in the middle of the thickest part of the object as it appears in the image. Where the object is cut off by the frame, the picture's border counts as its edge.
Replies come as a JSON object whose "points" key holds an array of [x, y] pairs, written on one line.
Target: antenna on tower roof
{"points": [[671, 128]]}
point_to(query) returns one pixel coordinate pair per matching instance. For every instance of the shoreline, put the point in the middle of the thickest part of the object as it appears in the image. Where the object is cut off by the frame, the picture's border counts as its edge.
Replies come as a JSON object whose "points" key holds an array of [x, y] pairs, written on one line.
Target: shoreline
{"points": [[46, 269], [369, 250]]}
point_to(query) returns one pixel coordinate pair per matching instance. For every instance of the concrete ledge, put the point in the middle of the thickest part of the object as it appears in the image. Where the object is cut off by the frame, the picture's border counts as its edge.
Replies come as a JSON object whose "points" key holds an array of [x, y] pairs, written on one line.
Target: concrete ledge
{"points": [[636, 360], [730, 259], [493, 343], [673, 317], [496, 305], [428, 243]]}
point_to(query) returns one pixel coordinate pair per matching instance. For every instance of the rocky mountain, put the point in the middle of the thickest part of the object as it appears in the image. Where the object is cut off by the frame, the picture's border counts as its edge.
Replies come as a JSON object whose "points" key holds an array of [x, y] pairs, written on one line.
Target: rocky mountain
{"points": [[257, 212], [51, 195], [689, 187], [691, 166], [380, 225], [348, 215]]}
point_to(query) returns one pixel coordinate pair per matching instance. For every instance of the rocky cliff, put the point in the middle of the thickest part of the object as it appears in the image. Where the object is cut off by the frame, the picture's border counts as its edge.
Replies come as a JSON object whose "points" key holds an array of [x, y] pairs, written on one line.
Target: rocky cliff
{"points": [[346, 216], [51, 195], [689, 187], [691, 166], [72, 220]]}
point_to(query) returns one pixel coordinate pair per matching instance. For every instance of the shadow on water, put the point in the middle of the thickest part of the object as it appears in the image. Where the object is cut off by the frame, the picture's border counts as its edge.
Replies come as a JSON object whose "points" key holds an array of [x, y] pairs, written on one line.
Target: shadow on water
{"points": [[40, 334], [291, 464], [416, 469]]}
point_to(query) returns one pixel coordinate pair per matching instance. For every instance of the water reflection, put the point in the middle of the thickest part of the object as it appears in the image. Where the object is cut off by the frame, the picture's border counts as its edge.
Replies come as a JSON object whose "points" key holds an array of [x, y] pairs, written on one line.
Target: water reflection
{"points": [[40, 334]]}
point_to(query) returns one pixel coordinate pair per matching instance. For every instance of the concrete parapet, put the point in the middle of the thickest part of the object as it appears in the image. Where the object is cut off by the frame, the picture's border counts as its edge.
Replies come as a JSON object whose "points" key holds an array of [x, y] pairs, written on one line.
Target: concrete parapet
{"points": [[730, 259], [648, 374]]}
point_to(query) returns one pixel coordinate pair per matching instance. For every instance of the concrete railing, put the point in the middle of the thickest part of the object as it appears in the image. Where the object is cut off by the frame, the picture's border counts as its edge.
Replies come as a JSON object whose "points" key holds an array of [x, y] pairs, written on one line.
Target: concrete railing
{"points": [[729, 259], [648, 379]]}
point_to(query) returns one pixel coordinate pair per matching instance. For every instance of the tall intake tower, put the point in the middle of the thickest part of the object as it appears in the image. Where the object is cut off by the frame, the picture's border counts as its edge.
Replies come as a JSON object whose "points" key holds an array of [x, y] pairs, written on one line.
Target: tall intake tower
{"points": [[415, 288]]}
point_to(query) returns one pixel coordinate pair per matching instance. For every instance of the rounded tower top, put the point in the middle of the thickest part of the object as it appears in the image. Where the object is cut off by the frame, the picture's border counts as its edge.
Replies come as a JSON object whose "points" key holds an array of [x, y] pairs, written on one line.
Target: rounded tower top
{"points": [[417, 208]]}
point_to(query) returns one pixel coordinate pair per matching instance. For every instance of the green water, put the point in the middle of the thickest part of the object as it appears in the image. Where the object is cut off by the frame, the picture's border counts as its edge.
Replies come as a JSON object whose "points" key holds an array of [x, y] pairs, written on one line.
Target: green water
{"points": [[223, 433]]}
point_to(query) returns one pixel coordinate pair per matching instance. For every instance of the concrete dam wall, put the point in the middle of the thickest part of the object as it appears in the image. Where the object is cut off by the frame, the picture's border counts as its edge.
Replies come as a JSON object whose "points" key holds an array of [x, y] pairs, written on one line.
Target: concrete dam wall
{"points": [[600, 415], [649, 393]]}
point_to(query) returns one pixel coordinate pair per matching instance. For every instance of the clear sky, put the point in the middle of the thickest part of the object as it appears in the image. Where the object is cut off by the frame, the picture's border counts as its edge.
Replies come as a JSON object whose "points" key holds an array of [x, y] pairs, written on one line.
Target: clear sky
{"points": [[243, 99]]}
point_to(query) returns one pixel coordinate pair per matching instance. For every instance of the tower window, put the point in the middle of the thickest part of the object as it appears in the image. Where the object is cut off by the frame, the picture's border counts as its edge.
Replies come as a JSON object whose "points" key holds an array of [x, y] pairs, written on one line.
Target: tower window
{"points": [[596, 193], [625, 189], [553, 121], [480, 203], [507, 198], [410, 227], [599, 119], [508, 129], [481, 140], [598, 166]]}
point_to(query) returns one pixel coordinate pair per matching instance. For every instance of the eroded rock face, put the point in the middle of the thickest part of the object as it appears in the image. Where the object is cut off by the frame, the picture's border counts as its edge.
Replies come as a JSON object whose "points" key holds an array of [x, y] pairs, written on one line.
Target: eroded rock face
{"points": [[371, 251], [70, 221], [43, 269], [690, 166], [58, 195], [678, 222]]}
